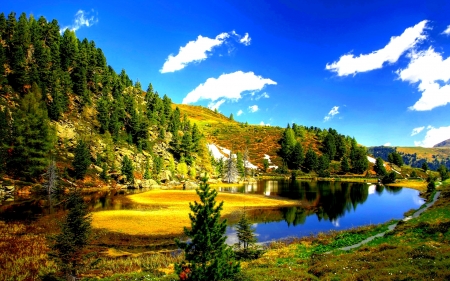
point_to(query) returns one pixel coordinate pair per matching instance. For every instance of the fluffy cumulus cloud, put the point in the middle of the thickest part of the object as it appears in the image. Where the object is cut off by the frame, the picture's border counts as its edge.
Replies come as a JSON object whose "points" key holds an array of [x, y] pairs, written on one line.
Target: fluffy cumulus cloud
{"points": [[349, 64], [387, 144], [239, 113], [417, 130], [333, 111], [198, 50], [82, 18], [432, 73], [263, 124], [227, 86], [253, 108], [434, 136]]}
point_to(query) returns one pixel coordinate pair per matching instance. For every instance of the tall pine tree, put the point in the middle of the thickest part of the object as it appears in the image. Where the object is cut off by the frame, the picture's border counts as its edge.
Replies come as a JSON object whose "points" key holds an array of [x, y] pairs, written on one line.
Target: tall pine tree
{"points": [[207, 255]]}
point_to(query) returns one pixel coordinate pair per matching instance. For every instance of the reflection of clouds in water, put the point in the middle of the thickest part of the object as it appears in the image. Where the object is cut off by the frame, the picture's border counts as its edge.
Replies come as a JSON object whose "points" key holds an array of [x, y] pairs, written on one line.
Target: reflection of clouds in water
{"points": [[335, 223], [418, 201], [372, 189]]}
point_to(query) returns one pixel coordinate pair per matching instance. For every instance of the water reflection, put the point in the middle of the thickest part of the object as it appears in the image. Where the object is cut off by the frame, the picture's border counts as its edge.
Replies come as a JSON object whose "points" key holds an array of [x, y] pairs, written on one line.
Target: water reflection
{"points": [[325, 205]]}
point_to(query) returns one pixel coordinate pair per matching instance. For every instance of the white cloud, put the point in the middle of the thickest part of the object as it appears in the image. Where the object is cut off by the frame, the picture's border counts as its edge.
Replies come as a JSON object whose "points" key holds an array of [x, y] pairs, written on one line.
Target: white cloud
{"points": [[229, 86], [82, 18], [427, 68], [239, 113], [263, 95], [253, 108], [333, 111], [349, 64], [416, 131], [245, 40], [263, 124], [387, 144], [198, 50], [434, 136], [215, 105], [447, 30]]}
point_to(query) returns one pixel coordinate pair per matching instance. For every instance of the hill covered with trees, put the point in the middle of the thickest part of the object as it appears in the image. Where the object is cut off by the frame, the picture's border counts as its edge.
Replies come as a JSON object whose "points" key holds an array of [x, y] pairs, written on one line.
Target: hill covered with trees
{"points": [[61, 101]]}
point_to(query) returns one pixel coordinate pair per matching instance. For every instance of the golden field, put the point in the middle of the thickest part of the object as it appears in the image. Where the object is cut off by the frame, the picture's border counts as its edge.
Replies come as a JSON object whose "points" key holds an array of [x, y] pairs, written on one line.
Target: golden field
{"points": [[170, 211]]}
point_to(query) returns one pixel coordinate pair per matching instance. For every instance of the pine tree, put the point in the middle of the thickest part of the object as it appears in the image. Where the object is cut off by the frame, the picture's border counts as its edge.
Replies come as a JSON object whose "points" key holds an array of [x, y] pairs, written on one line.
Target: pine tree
{"points": [[127, 169], [297, 156], [31, 136], [345, 167], [68, 245], [379, 167], [310, 162], [207, 255], [246, 247], [82, 159], [329, 146]]}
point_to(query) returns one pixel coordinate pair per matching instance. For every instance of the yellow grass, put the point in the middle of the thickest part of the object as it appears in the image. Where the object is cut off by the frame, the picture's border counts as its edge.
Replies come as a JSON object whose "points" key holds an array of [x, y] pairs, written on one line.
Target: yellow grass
{"points": [[418, 185], [173, 211]]}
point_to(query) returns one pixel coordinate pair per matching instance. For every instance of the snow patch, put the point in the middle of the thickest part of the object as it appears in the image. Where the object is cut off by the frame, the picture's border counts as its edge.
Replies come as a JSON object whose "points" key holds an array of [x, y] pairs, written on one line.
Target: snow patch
{"points": [[223, 153], [371, 159]]}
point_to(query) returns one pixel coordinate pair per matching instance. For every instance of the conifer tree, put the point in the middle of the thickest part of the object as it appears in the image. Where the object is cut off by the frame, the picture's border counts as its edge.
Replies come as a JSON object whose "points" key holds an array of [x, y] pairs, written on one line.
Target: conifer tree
{"points": [[207, 255], [310, 162], [68, 245], [82, 159], [345, 167], [127, 169], [297, 156], [246, 247], [230, 170], [31, 136], [379, 167], [51, 178]]}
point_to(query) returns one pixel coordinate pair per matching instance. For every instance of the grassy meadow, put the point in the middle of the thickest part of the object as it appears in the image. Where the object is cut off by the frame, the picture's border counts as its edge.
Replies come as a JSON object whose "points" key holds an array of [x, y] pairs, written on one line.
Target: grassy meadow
{"points": [[168, 211]]}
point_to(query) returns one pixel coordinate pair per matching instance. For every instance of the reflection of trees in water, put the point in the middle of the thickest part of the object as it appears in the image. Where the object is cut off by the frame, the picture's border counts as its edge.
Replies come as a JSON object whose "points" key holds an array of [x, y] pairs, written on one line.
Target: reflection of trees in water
{"points": [[295, 215], [332, 199], [379, 189], [393, 189]]}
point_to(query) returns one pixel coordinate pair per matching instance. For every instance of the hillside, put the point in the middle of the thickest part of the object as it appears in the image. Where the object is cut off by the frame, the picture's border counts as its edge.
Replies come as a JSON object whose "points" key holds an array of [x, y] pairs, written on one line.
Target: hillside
{"points": [[416, 156], [260, 140], [445, 143]]}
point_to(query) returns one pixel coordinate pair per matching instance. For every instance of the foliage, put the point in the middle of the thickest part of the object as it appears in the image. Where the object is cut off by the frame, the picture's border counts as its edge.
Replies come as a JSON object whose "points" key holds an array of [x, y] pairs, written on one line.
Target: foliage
{"points": [[358, 157], [246, 247], [127, 169], [265, 164], [379, 167], [424, 166], [389, 178], [51, 178], [68, 245], [207, 255], [443, 172], [31, 136], [310, 162], [82, 159], [395, 158]]}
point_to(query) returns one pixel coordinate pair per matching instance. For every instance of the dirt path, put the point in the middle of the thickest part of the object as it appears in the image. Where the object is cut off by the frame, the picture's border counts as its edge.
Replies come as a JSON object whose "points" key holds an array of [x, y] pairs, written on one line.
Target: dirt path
{"points": [[392, 226]]}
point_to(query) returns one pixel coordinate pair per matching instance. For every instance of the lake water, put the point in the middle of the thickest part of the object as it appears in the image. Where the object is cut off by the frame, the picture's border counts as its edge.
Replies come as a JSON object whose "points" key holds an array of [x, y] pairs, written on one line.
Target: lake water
{"points": [[325, 206]]}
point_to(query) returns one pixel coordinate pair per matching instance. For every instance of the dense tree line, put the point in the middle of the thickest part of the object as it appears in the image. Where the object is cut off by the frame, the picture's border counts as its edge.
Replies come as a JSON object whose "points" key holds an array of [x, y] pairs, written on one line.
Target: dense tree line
{"points": [[45, 75], [335, 147]]}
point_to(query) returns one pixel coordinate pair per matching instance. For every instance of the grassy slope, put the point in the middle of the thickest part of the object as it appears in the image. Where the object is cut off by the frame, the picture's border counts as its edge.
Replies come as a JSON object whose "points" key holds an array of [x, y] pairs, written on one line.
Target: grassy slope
{"points": [[429, 154], [230, 134]]}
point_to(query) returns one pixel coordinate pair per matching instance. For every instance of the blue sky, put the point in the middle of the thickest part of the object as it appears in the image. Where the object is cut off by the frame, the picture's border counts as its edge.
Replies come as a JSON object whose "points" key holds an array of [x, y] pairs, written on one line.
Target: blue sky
{"points": [[375, 70]]}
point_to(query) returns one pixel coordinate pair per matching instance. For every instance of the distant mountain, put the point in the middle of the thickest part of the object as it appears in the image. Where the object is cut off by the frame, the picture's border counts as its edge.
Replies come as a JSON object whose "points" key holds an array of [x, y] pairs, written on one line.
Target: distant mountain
{"points": [[445, 143]]}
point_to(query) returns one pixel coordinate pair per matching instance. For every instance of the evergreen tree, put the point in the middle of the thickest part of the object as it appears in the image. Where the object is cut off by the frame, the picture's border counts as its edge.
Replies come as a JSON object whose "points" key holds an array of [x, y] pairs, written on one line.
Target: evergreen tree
{"points": [[265, 164], [425, 166], [287, 144], [379, 167], [360, 163], [207, 255], [297, 156], [103, 114], [443, 172], [68, 245], [245, 233], [345, 167], [127, 169], [323, 164], [310, 162], [5, 138], [82, 159], [31, 136], [329, 146]]}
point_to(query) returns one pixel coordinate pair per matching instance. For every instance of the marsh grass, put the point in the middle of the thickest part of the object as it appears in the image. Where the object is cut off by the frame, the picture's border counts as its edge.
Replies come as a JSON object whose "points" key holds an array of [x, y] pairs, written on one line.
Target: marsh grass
{"points": [[23, 253], [170, 209]]}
